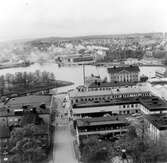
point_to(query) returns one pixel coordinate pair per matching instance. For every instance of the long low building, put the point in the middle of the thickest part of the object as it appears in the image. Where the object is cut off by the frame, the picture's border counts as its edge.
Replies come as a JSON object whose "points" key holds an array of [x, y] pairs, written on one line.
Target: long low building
{"points": [[82, 95], [111, 107], [99, 102], [124, 106], [114, 126], [154, 105]]}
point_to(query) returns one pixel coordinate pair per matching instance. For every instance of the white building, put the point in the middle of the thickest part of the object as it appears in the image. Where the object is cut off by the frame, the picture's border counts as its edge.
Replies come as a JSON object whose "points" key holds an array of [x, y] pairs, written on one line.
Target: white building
{"points": [[124, 74], [156, 127]]}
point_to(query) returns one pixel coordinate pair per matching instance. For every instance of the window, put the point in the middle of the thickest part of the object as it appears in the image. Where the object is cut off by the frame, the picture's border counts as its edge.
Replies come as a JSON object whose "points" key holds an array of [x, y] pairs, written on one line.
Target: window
{"points": [[132, 105], [123, 106]]}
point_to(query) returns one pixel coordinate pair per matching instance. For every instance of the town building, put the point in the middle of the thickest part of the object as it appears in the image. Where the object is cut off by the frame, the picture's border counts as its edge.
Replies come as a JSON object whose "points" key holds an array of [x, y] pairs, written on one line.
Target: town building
{"points": [[113, 126], [112, 102], [156, 127], [84, 94], [12, 113], [161, 73], [131, 61], [103, 85], [153, 105], [124, 74], [76, 59]]}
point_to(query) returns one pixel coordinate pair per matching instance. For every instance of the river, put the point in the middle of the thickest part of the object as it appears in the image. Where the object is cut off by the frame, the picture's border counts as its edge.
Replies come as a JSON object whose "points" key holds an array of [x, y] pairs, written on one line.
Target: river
{"points": [[74, 73]]}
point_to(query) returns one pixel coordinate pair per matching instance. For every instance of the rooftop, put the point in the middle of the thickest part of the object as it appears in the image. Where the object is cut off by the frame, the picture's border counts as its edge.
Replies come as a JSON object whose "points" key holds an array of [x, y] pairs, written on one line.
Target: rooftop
{"points": [[101, 121], [34, 100], [30, 102], [126, 68], [109, 84], [154, 103], [117, 101], [158, 120], [126, 90]]}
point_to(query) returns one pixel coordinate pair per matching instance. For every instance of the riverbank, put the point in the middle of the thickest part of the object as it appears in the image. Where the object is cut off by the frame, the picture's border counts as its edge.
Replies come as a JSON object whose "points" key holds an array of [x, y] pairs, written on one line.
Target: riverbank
{"points": [[19, 91], [15, 65]]}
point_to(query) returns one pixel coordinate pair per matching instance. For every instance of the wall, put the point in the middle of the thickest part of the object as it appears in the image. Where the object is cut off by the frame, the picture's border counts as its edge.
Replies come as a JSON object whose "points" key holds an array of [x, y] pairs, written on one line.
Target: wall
{"points": [[119, 109]]}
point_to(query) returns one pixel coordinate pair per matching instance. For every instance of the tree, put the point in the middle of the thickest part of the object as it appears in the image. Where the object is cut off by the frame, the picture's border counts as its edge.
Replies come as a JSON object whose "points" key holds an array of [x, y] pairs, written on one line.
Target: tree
{"points": [[24, 145], [96, 150], [131, 134], [29, 149], [31, 117]]}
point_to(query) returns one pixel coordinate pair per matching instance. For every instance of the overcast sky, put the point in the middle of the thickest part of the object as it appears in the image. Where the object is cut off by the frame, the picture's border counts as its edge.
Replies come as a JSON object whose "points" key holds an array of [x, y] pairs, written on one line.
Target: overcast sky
{"points": [[20, 19]]}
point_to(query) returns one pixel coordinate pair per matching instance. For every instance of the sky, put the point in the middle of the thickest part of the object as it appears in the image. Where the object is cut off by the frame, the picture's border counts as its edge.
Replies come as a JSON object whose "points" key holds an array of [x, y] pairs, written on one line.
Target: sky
{"points": [[23, 19]]}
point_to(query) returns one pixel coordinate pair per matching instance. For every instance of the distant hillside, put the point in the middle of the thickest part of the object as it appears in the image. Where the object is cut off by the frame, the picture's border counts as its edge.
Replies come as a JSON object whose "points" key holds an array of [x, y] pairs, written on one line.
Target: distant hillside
{"points": [[52, 39]]}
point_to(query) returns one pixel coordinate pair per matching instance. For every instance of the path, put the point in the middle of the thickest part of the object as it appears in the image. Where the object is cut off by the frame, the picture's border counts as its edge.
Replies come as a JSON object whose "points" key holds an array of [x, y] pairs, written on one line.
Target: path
{"points": [[63, 140]]}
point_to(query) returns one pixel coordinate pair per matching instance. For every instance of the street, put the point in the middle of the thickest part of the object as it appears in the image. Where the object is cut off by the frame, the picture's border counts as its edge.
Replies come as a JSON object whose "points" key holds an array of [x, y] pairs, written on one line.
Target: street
{"points": [[63, 151]]}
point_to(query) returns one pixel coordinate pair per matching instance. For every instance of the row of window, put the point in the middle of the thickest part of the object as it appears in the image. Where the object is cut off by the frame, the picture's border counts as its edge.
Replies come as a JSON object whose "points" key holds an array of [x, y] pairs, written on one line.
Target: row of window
{"points": [[127, 112], [111, 113], [104, 98], [103, 128], [132, 105]]}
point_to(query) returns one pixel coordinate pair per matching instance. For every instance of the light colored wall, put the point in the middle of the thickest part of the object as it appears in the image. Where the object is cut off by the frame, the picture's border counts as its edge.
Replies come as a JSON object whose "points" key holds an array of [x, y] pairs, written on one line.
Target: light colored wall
{"points": [[113, 109], [144, 110], [128, 76]]}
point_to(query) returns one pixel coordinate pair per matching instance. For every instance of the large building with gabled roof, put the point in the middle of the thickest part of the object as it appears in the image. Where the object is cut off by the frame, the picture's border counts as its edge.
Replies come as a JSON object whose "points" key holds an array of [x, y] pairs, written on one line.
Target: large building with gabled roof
{"points": [[125, 74]]}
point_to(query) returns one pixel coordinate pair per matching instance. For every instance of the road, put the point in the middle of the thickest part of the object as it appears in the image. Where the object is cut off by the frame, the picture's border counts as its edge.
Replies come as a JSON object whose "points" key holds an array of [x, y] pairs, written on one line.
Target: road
{"points": [[63, 139]]}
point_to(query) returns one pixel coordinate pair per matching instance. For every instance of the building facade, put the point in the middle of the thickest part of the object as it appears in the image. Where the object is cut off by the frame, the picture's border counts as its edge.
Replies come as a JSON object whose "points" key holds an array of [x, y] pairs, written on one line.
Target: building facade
{"points": [[124, 74], [112, 102], [156, 127], [114, 126]]}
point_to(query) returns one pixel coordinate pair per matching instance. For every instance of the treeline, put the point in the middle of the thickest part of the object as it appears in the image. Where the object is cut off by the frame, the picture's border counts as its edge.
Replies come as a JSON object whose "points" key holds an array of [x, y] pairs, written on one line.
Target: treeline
{"points": [[25, 80]]}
